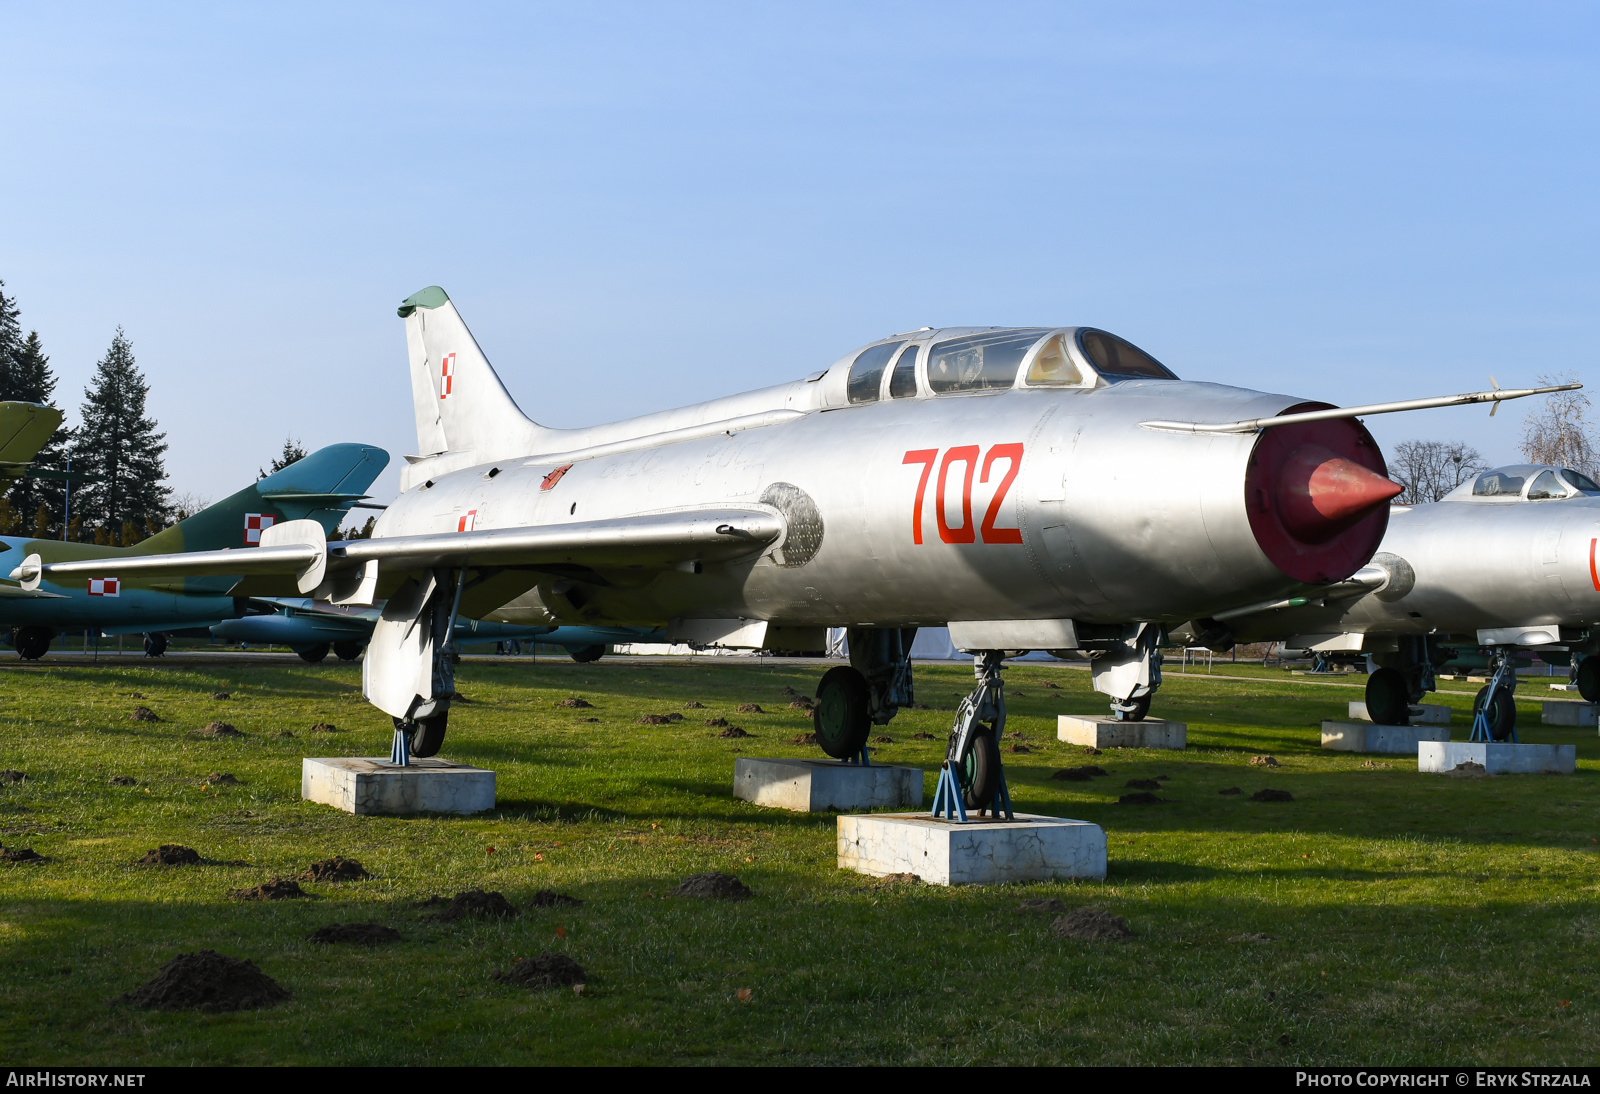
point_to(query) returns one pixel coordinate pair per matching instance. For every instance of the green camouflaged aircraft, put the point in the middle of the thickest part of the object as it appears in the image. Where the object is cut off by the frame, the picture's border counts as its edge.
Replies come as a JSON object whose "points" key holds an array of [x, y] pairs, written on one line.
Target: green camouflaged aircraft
{"points": [[24, 427]]}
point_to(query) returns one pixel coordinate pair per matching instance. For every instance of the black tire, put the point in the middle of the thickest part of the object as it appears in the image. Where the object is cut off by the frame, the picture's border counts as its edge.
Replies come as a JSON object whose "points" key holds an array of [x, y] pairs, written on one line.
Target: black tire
{"points": [[584, 654], [1503, 718], [1388, 699], [155, 644], [313, 654], [347, 651], [1588, 679], [33, 642], [428, 735], [842, 719], [980, 771], [1141, 707]]}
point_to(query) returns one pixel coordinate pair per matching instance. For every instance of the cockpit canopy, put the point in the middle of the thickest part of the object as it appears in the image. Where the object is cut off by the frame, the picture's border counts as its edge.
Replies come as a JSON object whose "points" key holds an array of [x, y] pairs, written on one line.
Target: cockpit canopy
{"points": [[958, 360], [1527, 482]]}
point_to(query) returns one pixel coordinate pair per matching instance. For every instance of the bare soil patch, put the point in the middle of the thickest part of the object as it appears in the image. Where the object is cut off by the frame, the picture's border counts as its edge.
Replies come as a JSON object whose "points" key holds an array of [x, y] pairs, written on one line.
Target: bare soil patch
{"points": [[547, 970], [652, 720], [549, 898], [802, 703], [279, 888], [476, 904], [714, 885], [123, 780], [1142, 784], [1264, 761], [692, 705], [1269, 795], [923, 737], [171, 854], [209, 981], [362, 934], [12, 776], [324, 727], [20, 856], [588, 719], [1468, 770], [1141, 797], [220, 729], [337, 868], [733, 731], [750, 708], [885, 740], [1091, 925], [1019, 748], [1053, 686], [220, 695], [1042, 904], [806, 739], [220, 778], [143, 714], [1090, 750], [1374, 765], [574, 703]]}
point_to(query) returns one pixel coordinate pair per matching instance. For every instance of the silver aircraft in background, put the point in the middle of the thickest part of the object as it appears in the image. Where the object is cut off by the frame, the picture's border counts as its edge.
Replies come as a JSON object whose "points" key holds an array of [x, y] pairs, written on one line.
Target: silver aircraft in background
{"points": [[1031, 487], [1504, 561]]}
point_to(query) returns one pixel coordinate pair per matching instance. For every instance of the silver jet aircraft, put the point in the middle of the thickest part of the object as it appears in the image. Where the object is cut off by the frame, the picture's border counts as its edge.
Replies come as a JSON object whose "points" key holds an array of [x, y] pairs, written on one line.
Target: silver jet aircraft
{"points": [[1033, 488], [1504, 561]]}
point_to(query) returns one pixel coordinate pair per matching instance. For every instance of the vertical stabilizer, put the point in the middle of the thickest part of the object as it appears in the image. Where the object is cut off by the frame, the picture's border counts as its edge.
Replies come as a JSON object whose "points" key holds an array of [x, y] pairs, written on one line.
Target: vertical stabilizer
{"points": [[460, 403]]}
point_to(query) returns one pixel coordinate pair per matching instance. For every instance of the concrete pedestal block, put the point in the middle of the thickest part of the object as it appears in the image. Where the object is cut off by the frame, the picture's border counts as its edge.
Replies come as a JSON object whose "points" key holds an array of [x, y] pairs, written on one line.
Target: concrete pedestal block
{"points": [[1368, 737], [981, 852], [1498, 759], [377, 786], [1106, 732], [1563, 687], [1570, 714], [825, 786], [1422, 714]]}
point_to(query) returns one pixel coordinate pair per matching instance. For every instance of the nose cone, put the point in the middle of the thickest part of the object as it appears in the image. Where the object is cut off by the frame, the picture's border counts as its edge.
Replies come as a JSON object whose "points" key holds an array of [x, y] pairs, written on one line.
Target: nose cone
{"points": [[1321, 493]]}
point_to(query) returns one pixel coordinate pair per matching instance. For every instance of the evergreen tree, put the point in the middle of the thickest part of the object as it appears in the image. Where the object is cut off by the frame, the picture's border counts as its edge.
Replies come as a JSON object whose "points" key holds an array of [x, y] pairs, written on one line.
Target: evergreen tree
{"points": [[10, 336], [30, 380], [292, 453], [118, 446]]}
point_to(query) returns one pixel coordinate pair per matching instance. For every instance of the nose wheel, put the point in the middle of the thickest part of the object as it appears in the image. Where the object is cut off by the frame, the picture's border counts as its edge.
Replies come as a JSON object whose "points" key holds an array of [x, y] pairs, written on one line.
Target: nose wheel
{"points": [[972, 776]]}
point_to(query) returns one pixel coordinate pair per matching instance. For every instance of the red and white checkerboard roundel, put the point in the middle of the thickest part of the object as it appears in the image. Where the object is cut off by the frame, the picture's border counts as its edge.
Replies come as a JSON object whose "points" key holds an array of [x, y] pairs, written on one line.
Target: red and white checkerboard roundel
{"points": [[105, 586], [254, 525], [447, 375], [468, 521]]}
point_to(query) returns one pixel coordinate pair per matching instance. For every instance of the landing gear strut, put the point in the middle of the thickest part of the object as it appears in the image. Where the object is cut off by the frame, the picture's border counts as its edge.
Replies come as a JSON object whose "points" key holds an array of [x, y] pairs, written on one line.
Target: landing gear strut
{"points": [[869, 691], [1494, 710], [1130, 672], [421, 733], [972, 775], [1403, 678]]}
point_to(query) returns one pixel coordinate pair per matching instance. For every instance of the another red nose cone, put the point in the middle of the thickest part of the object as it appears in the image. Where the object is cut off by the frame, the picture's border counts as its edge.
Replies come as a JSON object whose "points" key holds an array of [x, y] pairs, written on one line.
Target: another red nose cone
{"points": [[1320, 493]]}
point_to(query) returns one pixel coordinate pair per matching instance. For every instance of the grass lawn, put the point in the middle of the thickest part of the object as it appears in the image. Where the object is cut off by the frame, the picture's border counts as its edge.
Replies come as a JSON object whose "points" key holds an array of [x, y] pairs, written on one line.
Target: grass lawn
{"points": [[1413, 918]]}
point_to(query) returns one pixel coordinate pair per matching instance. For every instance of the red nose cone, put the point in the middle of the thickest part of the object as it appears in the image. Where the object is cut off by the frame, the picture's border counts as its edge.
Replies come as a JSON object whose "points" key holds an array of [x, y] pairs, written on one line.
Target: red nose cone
{"points": [[1320, 493]]}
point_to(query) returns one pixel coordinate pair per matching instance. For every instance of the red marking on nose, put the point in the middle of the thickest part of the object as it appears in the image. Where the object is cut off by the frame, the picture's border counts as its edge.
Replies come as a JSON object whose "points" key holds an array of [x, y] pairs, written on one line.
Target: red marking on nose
{"points": [[1594, 575], [1320, 493]]}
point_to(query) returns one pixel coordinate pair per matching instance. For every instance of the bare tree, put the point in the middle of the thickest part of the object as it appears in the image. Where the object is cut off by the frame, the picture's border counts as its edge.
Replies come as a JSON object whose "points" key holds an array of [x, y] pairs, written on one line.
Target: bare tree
{"points": [[1558, 432], [1431, 469]]}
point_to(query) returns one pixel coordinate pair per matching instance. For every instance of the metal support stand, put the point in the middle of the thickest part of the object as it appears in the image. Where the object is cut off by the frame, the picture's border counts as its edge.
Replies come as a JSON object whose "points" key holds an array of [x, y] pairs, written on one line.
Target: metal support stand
{"points": [[861, 758], [1505, 676], [982, 711], [400, 752]]}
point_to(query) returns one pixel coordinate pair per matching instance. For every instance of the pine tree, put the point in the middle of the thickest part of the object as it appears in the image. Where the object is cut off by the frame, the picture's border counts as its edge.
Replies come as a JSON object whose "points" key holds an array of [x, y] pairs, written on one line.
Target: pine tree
{"points": [[10, 336], [118, 446], [30, 380], [292, 453]]}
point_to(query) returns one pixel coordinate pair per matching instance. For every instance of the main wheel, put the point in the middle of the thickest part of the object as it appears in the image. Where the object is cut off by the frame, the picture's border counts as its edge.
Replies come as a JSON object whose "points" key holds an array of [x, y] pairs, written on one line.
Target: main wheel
{"points": [[584, 654], [1141, 707], [425, 736], [980, 771], [32, 642], [313, 654], [347, 651], [1388, 701], [155, 644], [1503, 715], [1588, 679], [841, 718]]}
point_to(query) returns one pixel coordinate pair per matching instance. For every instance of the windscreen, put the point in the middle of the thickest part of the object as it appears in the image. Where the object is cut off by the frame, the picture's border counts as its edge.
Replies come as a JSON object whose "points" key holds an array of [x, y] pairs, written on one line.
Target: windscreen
{"points": [[1580, 481], [866, 375], [1119, 359]]}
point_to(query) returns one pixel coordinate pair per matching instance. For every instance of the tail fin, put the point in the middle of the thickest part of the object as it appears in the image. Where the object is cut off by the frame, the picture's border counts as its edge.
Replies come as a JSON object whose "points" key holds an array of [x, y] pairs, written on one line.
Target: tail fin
{"points": [[24, 429], [320, 487], [461, 404]]}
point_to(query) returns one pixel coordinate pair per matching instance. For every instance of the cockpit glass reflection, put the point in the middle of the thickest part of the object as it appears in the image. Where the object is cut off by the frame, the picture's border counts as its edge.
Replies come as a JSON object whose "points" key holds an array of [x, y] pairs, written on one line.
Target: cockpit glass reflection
{"points": [[1580, 481], [1498, 484], [866, 375], [1052, 367], [1119, 359], [979, 362], [1545, 486]]}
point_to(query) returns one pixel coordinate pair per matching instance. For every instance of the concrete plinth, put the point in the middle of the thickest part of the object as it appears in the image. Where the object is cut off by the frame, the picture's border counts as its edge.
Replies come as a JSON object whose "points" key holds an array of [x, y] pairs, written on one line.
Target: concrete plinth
{"points": [[1107, 732], [825, 786], [1498, 759], [1422, 714], [1570, 714], [1369, 737], [940, 852], [1563, 687], [377, 786]]}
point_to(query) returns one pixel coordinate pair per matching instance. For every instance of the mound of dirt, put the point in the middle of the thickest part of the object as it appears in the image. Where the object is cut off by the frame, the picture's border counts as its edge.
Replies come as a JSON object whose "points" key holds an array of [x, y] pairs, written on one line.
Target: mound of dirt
{"points": [[435, 901], [1091, 925], [733, 731], [802, 703], [136, 695], [1090, 750], [220, 695], [1230, 790], [210, 981], [143, 714], [1264, 761], [574, 703], [123, 780], [1468, 770], [692, 705], [806, 739], [284, 733], [219, 778], [171, 854], [324, 727], [1272, 796], [1080, 774], [719, 886], [11, 776], [337, 868], [1053, 687], [715, 722], [279, 888], [886, 740], [220, 729], [1142, 784], [1042, 904], [588, 719], [923, 737], [750, 708], [548, 970], [477, 904], [549, 898], [1374, 765], [787, 690], [652, 720], [1019, 748], [364, 934], [19, 856], [1140, 797]]}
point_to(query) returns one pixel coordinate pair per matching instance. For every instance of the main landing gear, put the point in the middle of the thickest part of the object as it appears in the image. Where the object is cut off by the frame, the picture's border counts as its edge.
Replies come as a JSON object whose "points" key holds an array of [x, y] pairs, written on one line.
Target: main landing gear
{"points": [[1403, 678], [972, 776], [1129, 671], [421, 733], [32, 643], [852, 698]]}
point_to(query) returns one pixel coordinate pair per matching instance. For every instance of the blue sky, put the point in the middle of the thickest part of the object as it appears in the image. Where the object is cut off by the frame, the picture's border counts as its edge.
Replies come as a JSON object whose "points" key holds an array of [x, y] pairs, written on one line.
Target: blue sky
{"points": [[637, 206]]}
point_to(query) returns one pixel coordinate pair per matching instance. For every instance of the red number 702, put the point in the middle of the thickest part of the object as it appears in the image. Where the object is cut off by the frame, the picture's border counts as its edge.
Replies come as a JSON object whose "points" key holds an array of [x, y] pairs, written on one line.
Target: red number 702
{"points": [[966, 455]]}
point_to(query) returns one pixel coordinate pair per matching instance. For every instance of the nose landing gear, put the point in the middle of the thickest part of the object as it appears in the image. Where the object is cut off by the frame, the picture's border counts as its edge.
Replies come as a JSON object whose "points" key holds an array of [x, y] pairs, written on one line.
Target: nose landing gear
{"points": [[972, 775], [1494, 709]]}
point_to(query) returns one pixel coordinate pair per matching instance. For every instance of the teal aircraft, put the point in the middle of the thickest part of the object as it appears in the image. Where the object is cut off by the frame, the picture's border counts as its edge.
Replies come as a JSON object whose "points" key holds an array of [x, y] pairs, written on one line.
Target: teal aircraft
{"points": [[322, 487]]}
